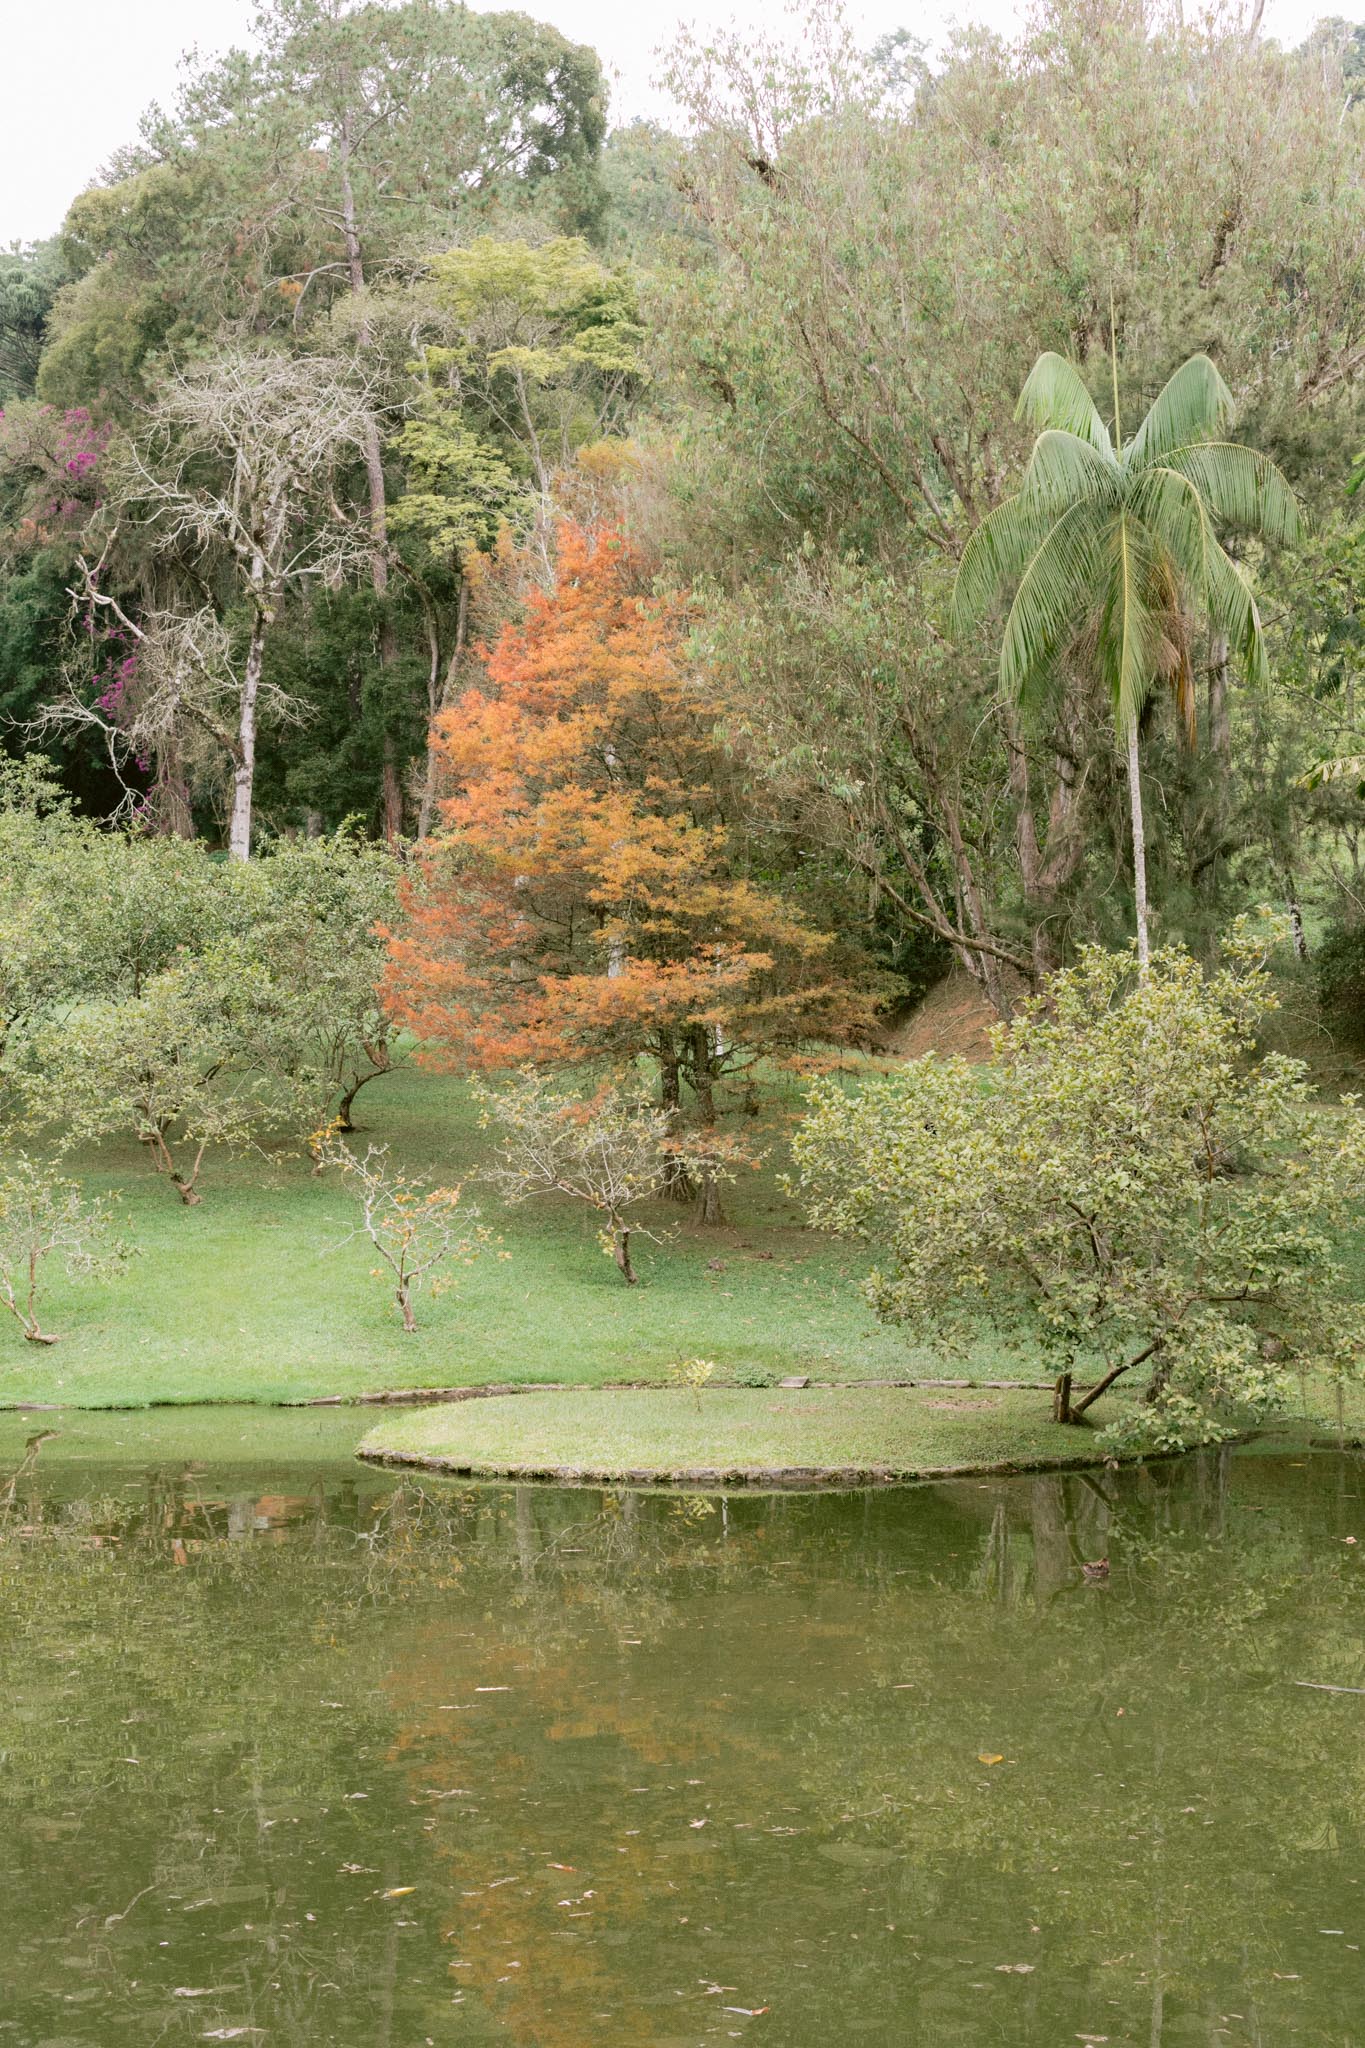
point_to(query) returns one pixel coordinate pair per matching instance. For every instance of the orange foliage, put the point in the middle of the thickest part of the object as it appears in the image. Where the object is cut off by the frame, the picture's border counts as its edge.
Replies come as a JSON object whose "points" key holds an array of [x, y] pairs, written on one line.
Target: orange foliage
{"points": [[585, 896]]}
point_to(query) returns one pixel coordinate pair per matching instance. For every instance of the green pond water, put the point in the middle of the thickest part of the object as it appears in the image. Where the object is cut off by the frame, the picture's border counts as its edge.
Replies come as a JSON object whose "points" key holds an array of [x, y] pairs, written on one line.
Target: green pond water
{"points": [[295, 1752]]}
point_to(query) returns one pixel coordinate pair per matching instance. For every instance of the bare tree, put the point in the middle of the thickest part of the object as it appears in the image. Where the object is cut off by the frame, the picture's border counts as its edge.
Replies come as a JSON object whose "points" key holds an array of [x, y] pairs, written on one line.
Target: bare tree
{"points": [[238, 464]]}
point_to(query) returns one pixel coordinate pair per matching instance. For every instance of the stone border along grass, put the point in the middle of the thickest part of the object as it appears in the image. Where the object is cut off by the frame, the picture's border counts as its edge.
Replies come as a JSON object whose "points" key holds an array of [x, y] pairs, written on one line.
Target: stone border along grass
{"points": [[752, 1479], [416, 1397], [651, 1437]]}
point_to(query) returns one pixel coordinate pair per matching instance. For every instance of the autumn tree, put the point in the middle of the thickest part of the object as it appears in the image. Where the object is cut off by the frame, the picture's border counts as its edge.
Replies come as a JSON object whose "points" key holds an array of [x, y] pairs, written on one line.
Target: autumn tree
{"points": [[592, 893]]}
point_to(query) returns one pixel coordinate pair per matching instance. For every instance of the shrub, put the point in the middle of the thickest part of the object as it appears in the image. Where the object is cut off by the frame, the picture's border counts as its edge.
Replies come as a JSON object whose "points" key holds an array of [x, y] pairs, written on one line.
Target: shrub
{"points": [[1127, 1185]]}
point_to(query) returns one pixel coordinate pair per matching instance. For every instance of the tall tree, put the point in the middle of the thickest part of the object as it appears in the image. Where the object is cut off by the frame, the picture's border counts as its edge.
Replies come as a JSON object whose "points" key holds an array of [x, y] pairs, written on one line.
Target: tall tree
{"points": [[1112, 552], [388, 127], [592, 894], [237, 467]]}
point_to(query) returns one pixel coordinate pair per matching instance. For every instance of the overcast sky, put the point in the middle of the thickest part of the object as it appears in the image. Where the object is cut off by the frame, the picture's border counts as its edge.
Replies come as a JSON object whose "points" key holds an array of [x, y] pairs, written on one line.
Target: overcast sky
{"points": [[79, 72]]}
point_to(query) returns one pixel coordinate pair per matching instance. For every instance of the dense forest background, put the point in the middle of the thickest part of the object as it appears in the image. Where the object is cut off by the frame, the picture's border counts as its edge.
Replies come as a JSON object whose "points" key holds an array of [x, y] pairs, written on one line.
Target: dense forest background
{"points": [[372, 381]]}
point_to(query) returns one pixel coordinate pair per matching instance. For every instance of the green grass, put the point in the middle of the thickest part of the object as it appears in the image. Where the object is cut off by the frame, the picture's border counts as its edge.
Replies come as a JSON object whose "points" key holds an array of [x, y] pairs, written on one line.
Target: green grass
{"points": [[617, 1433], [256, 1295]]}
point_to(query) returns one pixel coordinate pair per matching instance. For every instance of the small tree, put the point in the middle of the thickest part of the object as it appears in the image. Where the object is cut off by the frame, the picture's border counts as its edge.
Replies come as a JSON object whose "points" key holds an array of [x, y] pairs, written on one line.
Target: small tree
{"points": [[1128, 1186], [44, 1217], [159, 1066], [611, 1150], [305, 923], [414, 1227]]}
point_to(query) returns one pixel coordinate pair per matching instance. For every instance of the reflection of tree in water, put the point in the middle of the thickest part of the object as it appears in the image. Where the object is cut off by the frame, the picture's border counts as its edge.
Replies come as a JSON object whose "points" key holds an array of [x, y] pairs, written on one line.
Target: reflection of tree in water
{"points": [[812, 1677]]}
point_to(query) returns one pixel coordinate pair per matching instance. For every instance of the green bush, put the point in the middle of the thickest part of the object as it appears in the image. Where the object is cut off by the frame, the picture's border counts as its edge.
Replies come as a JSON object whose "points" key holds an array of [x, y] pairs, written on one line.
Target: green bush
{"points": [[1129, 1187]]}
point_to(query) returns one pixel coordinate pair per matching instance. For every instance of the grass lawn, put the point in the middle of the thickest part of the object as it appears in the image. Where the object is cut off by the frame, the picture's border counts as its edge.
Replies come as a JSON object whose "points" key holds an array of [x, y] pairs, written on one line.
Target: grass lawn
{"points": [[257, 1296], [617, 1433]]}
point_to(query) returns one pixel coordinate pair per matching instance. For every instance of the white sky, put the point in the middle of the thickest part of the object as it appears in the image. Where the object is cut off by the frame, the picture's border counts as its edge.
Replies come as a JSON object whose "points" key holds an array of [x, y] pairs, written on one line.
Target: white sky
{"points": [[79, 72]]}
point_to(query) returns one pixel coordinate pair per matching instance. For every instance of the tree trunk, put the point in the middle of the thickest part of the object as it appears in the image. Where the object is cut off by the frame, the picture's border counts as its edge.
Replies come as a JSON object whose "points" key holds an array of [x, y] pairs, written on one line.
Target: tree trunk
{"points": [[620, 1250], [438, 696], [1144, 949], [392, 802], [1295, 912], [709, 1210], [244, 774], [1061, 1398], [402, 1297], [678, 1183]]}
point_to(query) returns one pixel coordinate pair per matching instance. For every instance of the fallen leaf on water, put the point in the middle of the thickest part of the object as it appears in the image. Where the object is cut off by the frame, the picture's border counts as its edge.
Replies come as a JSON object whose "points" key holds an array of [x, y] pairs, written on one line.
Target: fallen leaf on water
{"points": [[563, 1866], [398, 1891], [492, 1688], [696, 1823], [982, 1758], [748, 2012], [1017, 1969]]}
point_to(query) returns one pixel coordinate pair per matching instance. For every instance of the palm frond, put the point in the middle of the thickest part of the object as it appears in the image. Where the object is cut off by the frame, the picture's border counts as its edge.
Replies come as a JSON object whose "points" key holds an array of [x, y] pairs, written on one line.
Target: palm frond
{"points": [[1054, 395], [1050, 603], [996, 557], [1171, 508], [1345, 768], [1240, 487], [1133, 644], [1192, 406], [1063, 468]]}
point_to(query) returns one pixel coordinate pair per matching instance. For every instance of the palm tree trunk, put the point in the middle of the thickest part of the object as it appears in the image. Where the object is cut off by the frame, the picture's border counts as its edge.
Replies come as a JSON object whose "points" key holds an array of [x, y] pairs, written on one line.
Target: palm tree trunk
{"points": [[1139, 846]]}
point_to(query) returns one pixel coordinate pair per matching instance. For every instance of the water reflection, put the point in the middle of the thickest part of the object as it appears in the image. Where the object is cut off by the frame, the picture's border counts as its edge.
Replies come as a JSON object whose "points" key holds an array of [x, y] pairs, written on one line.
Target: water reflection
{"points": [[314, 1757]]}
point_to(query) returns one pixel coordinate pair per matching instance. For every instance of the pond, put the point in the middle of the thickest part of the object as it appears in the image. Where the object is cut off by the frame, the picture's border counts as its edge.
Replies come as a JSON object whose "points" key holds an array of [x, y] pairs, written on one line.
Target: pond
{"points": [[293, 1752]]}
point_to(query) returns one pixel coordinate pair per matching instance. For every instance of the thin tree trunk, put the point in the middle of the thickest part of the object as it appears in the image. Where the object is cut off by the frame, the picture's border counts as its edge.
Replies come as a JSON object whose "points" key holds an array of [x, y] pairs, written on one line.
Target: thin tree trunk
{"points": [[1295, 912], [620, 1250], [244, 774], [678, 1183], [1144, 948], [438, 696], [703, 1085]]}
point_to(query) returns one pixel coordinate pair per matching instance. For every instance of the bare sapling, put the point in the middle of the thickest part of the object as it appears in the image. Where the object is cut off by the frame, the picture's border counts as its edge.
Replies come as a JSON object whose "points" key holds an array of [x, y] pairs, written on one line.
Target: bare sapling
{"points": [[44, 1218], [414, 1227]]}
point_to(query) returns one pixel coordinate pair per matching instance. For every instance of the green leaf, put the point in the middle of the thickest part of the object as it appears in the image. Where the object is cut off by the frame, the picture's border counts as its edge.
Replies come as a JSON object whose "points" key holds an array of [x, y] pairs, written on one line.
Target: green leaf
{"points": [[1242, 487], [1054, 395], [1064, 468], [1054, 593], [1192, 406]]}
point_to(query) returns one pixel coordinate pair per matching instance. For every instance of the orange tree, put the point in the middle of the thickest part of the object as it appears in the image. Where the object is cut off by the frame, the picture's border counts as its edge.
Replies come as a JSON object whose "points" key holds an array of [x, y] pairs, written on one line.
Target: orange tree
{"points": [[593, 893]]}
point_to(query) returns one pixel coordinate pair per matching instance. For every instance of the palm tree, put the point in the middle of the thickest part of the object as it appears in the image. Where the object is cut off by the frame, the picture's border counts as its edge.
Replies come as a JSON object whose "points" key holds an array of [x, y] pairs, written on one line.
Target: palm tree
{"points": [[1112, 554]]}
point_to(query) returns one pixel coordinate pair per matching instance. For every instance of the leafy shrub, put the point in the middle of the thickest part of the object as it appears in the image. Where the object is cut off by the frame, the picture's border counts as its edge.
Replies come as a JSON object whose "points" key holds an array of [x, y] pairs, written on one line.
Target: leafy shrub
{"points": [[1127, 1186]]}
